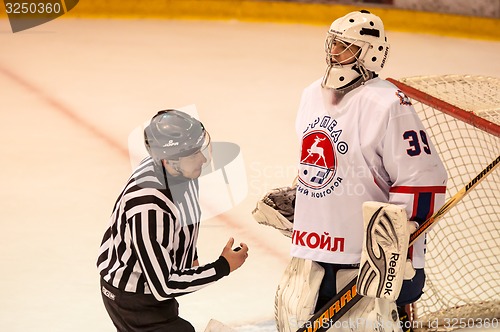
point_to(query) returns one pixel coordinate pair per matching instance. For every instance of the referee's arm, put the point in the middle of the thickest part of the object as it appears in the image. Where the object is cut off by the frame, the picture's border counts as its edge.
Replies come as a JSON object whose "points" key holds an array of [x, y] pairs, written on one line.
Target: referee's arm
{"points": [[152, 234]]}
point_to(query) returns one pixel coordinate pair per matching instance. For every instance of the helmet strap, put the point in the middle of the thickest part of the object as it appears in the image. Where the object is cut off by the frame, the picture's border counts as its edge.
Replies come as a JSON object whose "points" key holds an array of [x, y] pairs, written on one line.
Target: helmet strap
{"points": [[172, 164], [338, 94], [365, 75]]}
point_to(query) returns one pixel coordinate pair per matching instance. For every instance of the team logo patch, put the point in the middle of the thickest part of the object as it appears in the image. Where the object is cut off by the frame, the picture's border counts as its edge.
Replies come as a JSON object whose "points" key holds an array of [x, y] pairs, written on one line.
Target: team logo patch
{"points": [[403, 99], [318, 160]]}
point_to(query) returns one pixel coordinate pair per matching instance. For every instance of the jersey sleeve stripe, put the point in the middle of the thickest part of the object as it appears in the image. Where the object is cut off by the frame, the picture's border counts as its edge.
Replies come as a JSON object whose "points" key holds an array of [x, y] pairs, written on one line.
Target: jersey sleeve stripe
{"points": [[418, 189]]}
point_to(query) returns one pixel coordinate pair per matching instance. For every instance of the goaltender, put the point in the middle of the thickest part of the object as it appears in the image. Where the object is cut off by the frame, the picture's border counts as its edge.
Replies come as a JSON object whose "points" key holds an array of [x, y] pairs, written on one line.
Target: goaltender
{"points": [[363, 148]]}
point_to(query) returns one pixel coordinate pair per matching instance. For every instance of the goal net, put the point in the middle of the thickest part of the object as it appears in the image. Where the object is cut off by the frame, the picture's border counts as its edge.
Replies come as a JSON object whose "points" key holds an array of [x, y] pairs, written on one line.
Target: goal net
{"points": [[462, 115]]}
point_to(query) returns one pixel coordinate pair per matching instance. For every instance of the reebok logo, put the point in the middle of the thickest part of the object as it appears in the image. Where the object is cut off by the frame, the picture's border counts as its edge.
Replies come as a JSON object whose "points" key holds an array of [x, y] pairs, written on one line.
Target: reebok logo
{"points": [[391, 274]]}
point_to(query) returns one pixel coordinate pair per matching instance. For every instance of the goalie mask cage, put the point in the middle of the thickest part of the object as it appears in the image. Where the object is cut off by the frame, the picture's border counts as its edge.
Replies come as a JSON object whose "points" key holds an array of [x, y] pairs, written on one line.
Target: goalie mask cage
{"points": [[462, 115]]}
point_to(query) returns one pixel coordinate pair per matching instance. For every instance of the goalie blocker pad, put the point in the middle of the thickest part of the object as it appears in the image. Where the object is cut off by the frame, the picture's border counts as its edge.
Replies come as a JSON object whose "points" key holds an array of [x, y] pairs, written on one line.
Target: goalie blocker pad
{"points": [[385, 247]]}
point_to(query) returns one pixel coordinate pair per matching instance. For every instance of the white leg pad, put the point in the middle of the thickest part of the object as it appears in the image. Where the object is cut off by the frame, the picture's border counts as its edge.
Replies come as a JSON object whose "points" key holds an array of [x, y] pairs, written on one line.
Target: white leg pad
{"points": [[297, 294]]}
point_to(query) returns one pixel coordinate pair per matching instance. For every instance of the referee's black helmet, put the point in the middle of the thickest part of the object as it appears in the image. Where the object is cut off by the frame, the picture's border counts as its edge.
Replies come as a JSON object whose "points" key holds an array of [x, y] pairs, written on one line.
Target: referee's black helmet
{"points": [[172, 134]]}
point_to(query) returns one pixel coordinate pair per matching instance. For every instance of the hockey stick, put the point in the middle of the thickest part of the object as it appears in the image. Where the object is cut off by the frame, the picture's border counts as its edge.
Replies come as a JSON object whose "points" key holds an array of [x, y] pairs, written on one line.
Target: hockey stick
{"points": [[348, 296]]}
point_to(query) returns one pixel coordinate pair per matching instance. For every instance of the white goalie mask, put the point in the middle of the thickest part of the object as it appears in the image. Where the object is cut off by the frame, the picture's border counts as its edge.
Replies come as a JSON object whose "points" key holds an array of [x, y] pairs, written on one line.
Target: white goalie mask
{"points": [[364, 30]]}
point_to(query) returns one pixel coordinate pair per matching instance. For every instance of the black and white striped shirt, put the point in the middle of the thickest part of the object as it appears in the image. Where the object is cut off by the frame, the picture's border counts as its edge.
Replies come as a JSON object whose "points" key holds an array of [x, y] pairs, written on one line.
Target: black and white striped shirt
{"points": [[150, 244]]}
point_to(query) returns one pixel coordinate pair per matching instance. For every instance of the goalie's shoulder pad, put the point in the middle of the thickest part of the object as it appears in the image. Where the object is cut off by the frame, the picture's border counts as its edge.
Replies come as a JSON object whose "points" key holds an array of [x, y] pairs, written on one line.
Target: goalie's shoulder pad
{"points": [[276, 209]]}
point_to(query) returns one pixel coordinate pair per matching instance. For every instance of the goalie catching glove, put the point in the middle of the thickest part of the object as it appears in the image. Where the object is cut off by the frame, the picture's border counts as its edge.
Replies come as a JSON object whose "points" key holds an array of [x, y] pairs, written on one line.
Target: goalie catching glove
{"points": [[276, 209], [384, 263]]}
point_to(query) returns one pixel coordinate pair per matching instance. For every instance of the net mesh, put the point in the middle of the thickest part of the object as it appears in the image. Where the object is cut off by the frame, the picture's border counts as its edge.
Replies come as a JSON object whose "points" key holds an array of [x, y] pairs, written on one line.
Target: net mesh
{"points": [[463, 249]]}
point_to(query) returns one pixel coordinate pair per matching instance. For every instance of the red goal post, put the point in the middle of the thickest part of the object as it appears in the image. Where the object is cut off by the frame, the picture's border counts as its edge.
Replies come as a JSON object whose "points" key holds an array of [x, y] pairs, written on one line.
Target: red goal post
{"points": [[462, 115]]}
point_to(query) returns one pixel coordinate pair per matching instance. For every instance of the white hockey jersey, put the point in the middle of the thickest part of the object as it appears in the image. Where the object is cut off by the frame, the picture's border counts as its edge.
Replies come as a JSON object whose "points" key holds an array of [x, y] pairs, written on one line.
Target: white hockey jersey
{"points": [[371, 146]]}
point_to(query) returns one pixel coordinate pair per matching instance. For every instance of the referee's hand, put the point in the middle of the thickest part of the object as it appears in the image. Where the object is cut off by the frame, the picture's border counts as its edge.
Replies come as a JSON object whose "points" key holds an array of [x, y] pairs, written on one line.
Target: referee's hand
{"points": [[235, 258]]}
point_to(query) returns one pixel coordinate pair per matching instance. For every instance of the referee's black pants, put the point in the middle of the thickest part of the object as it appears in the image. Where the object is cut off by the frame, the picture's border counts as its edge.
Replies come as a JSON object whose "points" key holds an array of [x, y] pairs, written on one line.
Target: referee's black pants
{"points": [[131, 312]]}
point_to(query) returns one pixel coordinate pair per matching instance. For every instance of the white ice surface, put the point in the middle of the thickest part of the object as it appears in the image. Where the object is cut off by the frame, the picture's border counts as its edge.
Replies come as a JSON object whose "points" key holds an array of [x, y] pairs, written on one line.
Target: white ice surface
{"points": [[71, 92]]}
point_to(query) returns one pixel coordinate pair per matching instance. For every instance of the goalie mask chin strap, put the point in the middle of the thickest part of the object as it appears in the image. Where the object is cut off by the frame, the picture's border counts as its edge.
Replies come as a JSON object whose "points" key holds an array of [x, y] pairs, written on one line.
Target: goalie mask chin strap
{"points": [[339, 93]]}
